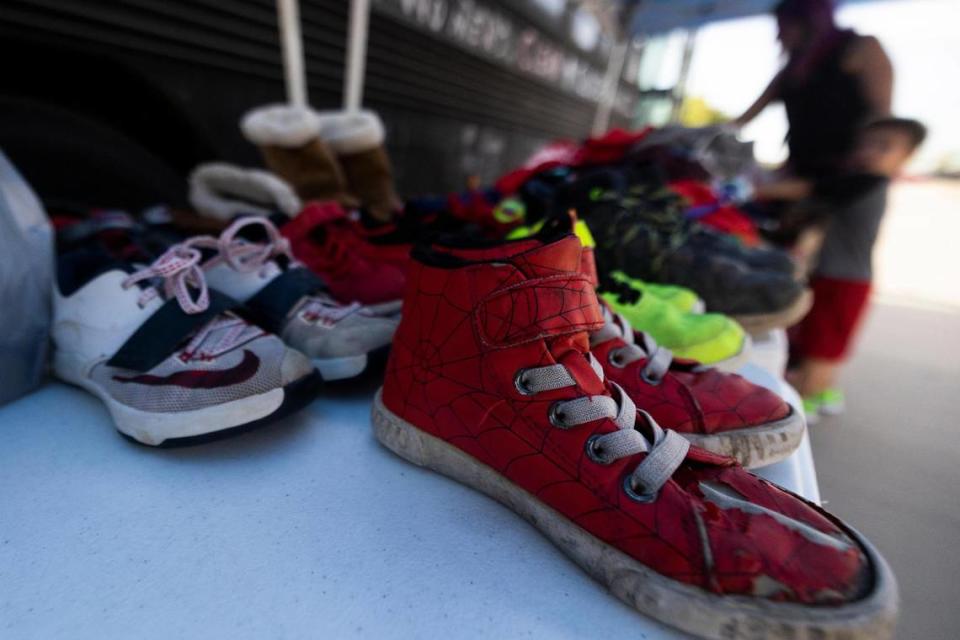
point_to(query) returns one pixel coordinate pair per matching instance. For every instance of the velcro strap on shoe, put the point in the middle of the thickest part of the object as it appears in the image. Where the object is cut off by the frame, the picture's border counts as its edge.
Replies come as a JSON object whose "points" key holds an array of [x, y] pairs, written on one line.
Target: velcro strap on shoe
{"points": [[164, 331], [538, 308], [273, 303]]}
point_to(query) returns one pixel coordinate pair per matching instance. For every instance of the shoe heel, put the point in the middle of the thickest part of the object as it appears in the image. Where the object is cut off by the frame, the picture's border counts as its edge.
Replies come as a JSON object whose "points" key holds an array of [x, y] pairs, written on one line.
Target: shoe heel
{"points": [[69, 367], [396, 434]]}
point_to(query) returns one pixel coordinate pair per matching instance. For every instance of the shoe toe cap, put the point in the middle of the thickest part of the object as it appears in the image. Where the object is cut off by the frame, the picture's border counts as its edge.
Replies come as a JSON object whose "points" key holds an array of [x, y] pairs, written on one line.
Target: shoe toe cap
{"points": [[294, 366]]}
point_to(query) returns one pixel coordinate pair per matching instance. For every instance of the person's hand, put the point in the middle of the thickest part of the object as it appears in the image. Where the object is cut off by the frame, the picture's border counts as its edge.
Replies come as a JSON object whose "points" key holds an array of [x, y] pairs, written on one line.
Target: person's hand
{"points": [[733, 127]]}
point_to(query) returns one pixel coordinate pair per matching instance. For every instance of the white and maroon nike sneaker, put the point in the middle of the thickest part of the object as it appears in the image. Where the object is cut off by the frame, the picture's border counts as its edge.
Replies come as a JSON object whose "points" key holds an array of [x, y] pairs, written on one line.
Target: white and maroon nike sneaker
{"points": [[285, 297], [163, 351]]}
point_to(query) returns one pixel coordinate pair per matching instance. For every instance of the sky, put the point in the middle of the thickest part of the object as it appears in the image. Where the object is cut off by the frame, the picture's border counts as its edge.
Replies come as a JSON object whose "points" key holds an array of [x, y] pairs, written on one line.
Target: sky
{"points": [[734, 60]]}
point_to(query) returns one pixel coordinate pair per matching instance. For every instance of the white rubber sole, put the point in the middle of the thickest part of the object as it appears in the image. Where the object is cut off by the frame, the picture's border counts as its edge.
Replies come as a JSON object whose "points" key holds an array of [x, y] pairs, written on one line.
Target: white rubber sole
{"points": [[757, 446], [341, 368], [154, 428], [386, 309], [684, 607], [817, 416], [832, 410], [757, 324]]}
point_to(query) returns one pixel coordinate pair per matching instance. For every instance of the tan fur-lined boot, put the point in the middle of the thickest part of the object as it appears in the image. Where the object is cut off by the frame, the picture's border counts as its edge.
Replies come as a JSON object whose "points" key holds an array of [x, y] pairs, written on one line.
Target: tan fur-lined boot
{"points": [[357, 139], [289, 140]]}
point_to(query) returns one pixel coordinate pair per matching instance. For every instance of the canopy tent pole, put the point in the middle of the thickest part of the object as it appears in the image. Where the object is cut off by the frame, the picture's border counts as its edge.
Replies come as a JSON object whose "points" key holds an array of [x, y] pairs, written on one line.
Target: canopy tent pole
{"points": [[611, 84], [680, 90], [356, 55], [615, 63], [294, 72]]}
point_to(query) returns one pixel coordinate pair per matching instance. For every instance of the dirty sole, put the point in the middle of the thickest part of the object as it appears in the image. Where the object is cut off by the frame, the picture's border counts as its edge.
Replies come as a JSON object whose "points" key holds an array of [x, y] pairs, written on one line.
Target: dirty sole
{"points": [[755, 447], [684, 607], [756, 324]]}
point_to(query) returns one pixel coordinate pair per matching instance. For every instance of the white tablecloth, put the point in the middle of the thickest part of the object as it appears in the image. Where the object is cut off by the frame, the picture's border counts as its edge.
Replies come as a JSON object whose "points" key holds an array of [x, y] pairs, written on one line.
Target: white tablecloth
{"points": [[305, 529]]}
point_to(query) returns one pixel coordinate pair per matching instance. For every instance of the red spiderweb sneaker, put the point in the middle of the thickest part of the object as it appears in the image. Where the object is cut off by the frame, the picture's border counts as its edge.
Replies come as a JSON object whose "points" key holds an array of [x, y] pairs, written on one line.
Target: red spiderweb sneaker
{"points": [[491, 382], [717, 411]]}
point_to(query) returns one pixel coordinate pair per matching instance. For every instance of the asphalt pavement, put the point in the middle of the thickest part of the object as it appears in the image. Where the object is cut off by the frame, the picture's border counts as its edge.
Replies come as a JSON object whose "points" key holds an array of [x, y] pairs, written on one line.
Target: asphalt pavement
{"points": [[891, 464]]}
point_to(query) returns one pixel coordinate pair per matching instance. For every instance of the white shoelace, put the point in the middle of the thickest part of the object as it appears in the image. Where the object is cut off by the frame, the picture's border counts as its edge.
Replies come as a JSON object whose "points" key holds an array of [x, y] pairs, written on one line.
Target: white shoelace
{"points": [[178, 269], [658, 358], [664, 454]]}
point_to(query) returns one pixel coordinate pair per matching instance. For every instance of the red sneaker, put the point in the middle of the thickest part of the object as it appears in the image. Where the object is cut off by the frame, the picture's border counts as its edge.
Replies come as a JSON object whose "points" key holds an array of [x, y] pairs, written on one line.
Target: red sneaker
{"points": [[392, 242], [720, 412], [323, 237], [383, 243], [491, 382], [717, 411]]}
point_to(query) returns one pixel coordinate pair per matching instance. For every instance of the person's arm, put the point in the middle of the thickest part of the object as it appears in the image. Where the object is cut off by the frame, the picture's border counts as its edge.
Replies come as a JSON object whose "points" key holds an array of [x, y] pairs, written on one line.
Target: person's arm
{"points": [[791, 189], [870, 63], [769, 94]]}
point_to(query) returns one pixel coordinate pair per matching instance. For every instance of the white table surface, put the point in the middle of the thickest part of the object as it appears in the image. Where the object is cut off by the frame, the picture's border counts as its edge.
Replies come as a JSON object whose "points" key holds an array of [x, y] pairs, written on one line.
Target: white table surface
{"points": [[304, 529]]}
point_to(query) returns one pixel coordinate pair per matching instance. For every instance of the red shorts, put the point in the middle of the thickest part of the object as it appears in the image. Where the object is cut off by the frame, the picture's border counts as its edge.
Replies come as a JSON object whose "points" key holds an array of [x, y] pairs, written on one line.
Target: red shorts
{"points": [[828, 330]]}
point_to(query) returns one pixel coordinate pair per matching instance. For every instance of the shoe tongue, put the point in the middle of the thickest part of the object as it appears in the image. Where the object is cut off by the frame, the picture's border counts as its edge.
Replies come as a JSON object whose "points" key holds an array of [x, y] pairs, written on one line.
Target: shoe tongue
{"points": [[315, 213], [553, 259], [588, 266], [571, 351]]}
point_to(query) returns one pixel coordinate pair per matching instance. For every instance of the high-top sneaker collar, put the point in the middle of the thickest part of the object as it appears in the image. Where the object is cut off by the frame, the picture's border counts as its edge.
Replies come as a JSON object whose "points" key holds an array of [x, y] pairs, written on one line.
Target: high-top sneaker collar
{"points": [[527, 293]]}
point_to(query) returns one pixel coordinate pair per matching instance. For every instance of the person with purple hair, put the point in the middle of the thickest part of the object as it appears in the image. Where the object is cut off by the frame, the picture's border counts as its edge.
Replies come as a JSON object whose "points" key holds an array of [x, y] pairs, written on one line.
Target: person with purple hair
{"points": [[845, 148], [833, 83]]}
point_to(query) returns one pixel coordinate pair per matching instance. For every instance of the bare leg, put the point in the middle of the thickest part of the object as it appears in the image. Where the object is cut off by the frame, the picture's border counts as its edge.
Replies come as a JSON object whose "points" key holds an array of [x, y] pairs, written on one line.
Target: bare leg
{"points": [[815, 375]]}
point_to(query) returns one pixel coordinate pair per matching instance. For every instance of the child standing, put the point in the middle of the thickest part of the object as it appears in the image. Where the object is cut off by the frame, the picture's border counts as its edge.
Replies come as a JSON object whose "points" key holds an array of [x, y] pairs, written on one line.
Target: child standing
{"points": [[843, 271]]}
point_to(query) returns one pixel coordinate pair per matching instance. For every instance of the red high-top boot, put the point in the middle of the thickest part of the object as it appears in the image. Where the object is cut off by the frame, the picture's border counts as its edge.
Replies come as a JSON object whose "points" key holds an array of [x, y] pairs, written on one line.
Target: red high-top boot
{"points": [[490, 381]]}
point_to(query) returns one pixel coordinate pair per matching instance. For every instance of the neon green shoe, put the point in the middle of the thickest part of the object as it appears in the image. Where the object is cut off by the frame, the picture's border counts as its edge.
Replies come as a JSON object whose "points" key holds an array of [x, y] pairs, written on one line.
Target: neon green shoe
{"points": [[680, 298], [832, 402], [579, 228], [811, 409], [829, 402], [710, 338]]}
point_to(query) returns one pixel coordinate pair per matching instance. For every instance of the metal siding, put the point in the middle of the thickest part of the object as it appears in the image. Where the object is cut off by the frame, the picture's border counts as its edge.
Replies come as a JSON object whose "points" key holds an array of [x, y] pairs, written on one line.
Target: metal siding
{"points": [[449, 112]]}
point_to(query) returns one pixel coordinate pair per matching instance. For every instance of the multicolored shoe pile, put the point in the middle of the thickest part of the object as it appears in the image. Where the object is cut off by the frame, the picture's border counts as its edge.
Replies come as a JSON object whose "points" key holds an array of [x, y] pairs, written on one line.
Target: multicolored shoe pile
{"points": [[578, 371]]}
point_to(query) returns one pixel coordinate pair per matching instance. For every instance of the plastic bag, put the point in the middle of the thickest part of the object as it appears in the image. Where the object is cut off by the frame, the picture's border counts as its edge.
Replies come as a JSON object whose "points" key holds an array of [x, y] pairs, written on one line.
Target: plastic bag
{"points": [[26, 275]]}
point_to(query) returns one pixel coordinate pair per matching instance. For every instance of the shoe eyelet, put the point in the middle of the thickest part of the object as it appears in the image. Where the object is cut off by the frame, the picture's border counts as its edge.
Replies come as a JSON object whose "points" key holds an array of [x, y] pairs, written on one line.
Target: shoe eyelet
{"points": [[593, 452], [615, 360], [637, 494], [557, 416], [649, 379], [521, 386]]}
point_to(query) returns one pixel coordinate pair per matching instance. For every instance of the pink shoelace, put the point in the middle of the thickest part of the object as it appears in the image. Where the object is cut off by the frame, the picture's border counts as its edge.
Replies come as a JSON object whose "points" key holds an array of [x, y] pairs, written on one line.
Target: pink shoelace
{"points": [[247, 257], [179, 269]]}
